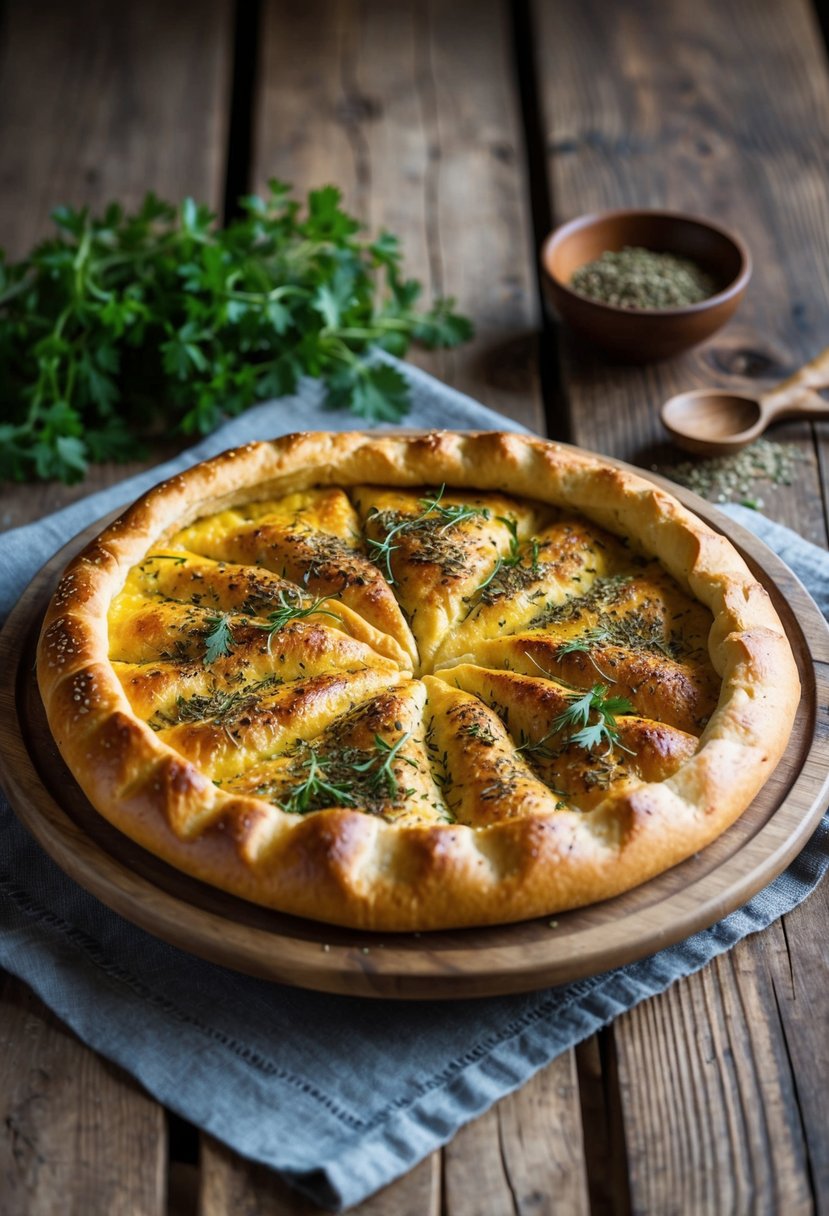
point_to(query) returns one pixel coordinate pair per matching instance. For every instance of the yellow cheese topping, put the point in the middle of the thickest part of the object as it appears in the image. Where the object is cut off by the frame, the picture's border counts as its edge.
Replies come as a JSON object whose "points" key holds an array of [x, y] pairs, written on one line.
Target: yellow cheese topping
{"points": [[425, 656]]}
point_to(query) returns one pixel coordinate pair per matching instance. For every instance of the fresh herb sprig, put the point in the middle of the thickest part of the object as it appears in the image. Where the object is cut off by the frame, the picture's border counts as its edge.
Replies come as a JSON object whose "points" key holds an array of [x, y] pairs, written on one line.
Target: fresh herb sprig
{"points": [[435, 514], [589, 735], [291, 608], [586, 644], [380, 766], [218, 639], [315, 791], [127, 324], [598, 636], [348, 778], [516, 554]]}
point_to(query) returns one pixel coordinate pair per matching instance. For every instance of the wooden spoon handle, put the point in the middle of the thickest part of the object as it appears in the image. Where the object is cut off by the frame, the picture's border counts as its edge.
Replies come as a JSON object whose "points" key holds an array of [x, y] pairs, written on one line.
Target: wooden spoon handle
{"points": [[795, 396]]}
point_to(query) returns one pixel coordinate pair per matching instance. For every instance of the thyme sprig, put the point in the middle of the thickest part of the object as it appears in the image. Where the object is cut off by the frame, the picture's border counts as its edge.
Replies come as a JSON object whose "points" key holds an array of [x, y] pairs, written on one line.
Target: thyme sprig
{"points": [[329, 781], [291, 608], [586, 644], [515, 556], [434, 512], [315, 790], [383, 774]]}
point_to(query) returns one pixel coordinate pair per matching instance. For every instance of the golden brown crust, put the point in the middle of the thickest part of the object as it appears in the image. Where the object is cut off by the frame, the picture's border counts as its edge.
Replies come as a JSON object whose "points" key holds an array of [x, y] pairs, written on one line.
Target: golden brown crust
{"points": [[342, 865]]}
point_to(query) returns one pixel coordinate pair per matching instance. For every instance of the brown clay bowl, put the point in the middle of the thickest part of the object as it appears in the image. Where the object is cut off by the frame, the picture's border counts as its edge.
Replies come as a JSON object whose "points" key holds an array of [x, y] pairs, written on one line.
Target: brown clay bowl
{"points": [[644, 335]]}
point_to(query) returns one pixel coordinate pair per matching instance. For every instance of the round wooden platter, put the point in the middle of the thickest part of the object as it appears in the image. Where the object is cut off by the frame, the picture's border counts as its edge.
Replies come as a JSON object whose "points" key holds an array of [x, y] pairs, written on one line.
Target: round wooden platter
{"points": [[460, 963]]}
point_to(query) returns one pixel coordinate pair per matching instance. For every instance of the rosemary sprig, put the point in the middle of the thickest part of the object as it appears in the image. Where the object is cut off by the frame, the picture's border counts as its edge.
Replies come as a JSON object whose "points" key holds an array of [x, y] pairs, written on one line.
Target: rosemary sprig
{"points": [[434, 512], [590, 735], [291, 609], [218, 641]]}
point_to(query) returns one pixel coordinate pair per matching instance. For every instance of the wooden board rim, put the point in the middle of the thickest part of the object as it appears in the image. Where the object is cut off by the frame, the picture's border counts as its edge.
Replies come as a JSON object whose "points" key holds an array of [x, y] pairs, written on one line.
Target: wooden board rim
{"points": [[448, 964]]}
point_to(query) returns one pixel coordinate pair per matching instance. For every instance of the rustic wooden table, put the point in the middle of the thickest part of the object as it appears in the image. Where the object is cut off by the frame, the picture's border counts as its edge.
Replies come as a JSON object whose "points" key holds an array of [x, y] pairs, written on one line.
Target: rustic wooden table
{"points": [[469, 128]]}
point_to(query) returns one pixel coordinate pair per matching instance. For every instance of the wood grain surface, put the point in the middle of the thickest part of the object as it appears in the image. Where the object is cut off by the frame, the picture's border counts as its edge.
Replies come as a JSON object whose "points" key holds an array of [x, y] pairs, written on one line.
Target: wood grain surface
{"points": [[97, 106], [720, 106], [98, 101], [410, 107], [79, 1136], [704, 127], [481, 962]]}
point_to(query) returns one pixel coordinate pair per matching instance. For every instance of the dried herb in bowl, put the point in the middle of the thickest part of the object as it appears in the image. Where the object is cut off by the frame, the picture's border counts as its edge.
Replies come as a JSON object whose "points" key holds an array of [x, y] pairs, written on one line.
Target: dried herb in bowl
{"points": [[633, 277]]}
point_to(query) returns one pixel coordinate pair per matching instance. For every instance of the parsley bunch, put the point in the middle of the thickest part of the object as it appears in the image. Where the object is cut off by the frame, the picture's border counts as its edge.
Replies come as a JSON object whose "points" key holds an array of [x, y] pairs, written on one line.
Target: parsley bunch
{"points": [[125, 324]]}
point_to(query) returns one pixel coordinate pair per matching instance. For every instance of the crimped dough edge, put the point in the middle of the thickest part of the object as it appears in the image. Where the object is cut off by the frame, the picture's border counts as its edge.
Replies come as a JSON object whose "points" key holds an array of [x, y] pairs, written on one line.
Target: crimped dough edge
{"points": [[346, 867]]}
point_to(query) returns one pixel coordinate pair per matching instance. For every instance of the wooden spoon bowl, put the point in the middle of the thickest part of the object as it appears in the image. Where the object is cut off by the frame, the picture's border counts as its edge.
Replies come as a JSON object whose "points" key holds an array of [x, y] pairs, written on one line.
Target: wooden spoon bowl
{"points": [[711, 423]]}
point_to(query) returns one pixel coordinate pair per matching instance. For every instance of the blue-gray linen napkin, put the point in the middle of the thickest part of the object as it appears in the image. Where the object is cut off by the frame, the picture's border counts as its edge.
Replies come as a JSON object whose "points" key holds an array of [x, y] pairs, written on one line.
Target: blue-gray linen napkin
{"points": [[340, 1095]]}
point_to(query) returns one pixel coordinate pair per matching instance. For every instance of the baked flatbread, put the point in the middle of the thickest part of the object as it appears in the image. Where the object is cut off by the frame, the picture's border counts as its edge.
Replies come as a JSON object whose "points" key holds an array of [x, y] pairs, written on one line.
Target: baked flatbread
{"points": [[405, 683]]}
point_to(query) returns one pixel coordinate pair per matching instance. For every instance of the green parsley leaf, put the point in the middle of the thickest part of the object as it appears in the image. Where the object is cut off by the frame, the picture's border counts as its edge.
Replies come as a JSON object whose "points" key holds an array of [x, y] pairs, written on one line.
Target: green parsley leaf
{"points": [[218, 640], [590, 735], [125, 325]]}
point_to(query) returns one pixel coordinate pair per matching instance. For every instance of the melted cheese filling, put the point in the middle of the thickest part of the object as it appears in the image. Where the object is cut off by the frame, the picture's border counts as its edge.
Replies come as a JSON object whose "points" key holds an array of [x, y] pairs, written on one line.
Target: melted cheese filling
{"points": [[424, 656]]}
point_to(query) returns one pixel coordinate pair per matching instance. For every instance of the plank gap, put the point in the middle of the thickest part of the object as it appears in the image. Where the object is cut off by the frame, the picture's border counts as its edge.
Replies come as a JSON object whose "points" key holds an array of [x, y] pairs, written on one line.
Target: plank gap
{"points": [[605, 1152], [809, 1168], [182, 1139], [553, 390], [821, 11], [247, 23], [817, 433], [183, 1159]]}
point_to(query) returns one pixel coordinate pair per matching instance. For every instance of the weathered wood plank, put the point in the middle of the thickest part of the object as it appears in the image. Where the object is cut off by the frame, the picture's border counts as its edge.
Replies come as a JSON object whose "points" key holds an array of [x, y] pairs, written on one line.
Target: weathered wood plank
{"points": [[712, 1122], [87, 92], [412, 109], [800, 974], [230, 1184], [604, 1134], [78, 1136], [525, 1157], [704, 128], [99, 102], [102, 102]]}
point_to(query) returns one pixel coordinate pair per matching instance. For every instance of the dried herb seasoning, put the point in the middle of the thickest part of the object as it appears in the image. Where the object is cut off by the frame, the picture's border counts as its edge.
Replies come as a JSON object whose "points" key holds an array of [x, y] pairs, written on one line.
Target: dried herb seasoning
{"points": [[734, 478], [642, 278]]}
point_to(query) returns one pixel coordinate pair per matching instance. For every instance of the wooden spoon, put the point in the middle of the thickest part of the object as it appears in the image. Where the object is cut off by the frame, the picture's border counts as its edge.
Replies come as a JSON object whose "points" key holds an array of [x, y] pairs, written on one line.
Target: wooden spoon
{"points": [[711, 422]]}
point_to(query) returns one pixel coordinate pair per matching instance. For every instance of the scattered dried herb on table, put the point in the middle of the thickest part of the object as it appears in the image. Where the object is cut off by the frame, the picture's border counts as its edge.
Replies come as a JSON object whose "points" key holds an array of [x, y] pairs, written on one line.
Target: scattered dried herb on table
{"points": [[641, 278], [734, 478], [124, 324]]}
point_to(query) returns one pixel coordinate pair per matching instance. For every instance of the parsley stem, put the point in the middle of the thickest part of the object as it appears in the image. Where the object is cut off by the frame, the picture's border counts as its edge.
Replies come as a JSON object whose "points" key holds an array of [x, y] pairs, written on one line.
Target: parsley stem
{"points": [[265, 297], [368, 334]]}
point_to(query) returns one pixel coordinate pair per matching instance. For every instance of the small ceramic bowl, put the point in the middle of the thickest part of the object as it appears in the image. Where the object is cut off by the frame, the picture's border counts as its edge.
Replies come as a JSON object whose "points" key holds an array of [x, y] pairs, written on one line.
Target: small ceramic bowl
{"points": [[644, 335]]}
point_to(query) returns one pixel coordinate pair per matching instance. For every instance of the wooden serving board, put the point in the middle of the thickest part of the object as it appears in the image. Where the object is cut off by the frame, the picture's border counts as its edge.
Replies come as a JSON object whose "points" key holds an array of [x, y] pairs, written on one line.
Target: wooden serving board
{"points": [[460, 963]]}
